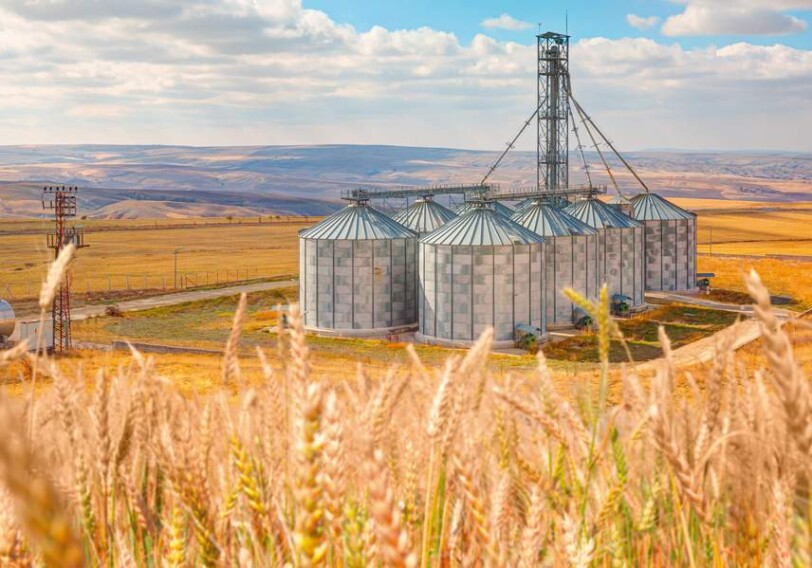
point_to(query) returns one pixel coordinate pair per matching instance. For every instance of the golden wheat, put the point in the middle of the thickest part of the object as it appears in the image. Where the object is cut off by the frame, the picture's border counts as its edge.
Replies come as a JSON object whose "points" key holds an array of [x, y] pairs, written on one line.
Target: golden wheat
{"points": [[446, 467]]}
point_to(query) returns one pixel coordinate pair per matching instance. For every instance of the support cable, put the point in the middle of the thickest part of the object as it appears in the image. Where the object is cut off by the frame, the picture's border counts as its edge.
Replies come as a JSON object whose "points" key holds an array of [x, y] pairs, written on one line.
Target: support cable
{"points": [[597, 148], [580, 146], [608, 142], [510, 145]]}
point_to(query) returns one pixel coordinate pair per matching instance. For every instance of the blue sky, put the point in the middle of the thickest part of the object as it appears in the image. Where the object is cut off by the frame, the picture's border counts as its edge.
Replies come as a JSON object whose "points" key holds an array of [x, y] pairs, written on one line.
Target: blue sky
{"points": [[587, 18], [692, 74]]}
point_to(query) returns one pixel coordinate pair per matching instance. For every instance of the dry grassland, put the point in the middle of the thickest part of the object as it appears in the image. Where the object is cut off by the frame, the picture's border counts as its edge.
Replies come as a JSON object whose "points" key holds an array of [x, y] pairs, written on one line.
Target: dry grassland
{"points": [[265, 250], [700, 205], [784, 277], [758, 230]]}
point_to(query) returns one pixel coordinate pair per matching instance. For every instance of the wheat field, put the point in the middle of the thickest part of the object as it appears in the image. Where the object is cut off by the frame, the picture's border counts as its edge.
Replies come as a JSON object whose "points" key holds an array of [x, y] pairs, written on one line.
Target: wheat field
{"points": [[419, 468]]}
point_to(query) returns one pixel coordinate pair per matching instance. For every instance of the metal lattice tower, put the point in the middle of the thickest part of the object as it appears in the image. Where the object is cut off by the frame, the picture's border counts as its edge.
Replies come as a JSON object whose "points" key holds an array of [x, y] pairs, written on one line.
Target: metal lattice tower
{"points": [[552, 151], [62, 201]]}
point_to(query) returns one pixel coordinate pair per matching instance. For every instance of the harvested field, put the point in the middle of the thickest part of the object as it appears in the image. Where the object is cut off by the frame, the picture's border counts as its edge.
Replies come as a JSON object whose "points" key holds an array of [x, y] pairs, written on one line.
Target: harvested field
{"points": [[144, 259]]}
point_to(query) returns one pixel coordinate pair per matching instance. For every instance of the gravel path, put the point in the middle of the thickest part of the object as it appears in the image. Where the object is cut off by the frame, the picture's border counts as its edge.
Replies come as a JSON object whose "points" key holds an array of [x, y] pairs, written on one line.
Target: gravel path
{"points": [[746, 310]]}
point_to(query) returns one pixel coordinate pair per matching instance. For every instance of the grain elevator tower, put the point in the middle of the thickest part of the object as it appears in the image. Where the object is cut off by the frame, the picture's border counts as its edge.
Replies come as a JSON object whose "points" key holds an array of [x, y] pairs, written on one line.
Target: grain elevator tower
{"points": [[552, 125]]}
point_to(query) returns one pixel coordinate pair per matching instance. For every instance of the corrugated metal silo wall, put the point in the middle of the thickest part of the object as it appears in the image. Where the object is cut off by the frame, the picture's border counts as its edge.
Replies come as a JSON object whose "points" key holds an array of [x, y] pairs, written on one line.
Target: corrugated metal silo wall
{"points": [[357, 284], [465, 289], [623, 261], [670, 253], [572, 262]]}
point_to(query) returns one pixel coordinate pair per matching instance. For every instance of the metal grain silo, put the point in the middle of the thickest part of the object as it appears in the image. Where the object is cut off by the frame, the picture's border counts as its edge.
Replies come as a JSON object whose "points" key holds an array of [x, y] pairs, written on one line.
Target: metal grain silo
{"points": [[480, 270], [622, 204], [500, 208], [573, 259], [621, 239], [424, 216], [356, 273], [522, 205], [669, 243]]}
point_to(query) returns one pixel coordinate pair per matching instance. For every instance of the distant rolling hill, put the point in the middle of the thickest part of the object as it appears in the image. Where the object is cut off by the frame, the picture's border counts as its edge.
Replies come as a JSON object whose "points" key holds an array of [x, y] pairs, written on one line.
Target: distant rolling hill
{"points": [[162, 181]]}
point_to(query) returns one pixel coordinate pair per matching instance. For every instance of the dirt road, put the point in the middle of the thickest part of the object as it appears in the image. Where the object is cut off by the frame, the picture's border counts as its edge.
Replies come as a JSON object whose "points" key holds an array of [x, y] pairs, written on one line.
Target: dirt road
{"points": [[177, 298]]}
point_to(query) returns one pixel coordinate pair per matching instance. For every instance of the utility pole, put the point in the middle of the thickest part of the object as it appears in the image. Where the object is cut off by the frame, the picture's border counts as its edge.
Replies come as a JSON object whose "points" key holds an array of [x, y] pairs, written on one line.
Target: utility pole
{"points": [[177, 250], [710, 244], [62, 201]]}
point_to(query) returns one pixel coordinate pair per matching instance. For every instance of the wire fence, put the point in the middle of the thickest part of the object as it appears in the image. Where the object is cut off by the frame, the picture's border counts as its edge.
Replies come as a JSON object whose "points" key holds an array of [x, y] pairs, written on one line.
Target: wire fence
{"points": [[118, 283]]}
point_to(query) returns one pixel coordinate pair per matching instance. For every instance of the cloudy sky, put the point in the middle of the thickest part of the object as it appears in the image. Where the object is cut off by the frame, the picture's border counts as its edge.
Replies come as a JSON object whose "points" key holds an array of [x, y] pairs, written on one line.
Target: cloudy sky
{"points": [[693, 74]]}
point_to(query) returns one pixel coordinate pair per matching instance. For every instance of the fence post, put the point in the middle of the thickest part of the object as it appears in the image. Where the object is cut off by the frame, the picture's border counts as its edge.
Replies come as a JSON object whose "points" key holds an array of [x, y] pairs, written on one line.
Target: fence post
{"points": [[109, 287], [88, 286], [163, 283], [145, 281], [127, 281]]}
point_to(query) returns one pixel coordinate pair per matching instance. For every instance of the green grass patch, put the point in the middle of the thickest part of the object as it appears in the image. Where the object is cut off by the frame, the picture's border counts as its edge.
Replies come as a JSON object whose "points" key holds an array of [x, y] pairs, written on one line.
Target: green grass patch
{"points": [[203, 323], [684, 325]]}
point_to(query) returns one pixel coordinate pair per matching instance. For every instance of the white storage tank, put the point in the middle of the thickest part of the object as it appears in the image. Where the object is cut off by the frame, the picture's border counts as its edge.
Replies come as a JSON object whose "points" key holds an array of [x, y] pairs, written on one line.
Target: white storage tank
{"points": [[573, 258], [424, 216], [357, 274], [669, 243], [621, 239], [8, 321], [480, 270]]}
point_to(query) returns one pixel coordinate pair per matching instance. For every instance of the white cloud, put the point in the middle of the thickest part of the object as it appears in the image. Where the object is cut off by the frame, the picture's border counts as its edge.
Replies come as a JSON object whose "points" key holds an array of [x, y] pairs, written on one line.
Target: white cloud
{"points": [[241, 72], [642, 23], [505, 22], [736, 17]]}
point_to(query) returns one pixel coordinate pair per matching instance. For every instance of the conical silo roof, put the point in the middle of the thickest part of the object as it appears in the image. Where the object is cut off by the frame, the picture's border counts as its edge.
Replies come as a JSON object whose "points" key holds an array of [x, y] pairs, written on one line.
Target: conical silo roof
{"points": [[498, 207], [424, 216], [482, 226], [619, 199], [521, 205], [652, 207], [548, 221], [599, 215], [357, 221]]}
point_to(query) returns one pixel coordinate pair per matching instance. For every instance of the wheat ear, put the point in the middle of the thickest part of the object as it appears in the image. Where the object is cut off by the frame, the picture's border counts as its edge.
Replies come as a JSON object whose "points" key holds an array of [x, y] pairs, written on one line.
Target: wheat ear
{"points": [[790, 383], [231, 362], [392, 540], [56, 275]]}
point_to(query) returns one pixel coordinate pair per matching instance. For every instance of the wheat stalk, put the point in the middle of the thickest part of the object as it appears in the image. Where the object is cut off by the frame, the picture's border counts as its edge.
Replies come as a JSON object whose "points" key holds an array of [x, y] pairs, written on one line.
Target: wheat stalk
{"points": [[55, 277], [231, 361]]}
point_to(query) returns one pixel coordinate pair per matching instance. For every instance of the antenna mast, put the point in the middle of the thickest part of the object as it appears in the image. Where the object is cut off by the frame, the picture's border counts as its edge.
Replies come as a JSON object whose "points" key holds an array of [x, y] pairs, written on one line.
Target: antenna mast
{"points": [[552, 149]]}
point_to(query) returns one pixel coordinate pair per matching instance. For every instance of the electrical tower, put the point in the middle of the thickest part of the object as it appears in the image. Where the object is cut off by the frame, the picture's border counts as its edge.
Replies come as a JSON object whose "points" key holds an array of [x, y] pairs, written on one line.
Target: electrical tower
{"points": [[552, 150], [62, 201]]}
